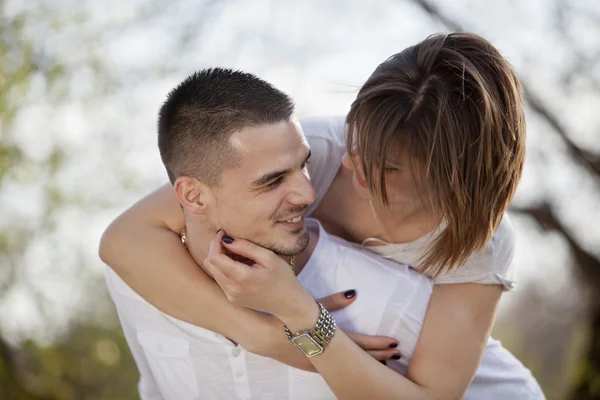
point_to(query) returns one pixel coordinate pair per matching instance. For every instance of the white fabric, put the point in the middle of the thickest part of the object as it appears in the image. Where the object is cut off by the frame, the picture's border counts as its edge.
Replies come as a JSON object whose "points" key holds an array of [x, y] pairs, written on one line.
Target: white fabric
{"points": [[326, 136], [181, 361]]}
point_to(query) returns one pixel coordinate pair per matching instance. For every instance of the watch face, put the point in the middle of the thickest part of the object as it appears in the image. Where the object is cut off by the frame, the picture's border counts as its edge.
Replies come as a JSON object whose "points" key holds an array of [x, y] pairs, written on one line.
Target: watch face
{"points": [[307, 345]]}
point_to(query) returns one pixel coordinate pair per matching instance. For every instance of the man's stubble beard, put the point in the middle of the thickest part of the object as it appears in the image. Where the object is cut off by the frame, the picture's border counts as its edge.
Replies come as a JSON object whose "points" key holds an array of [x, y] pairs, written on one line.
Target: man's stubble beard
{"points": [[301, 245], [303, 237]]}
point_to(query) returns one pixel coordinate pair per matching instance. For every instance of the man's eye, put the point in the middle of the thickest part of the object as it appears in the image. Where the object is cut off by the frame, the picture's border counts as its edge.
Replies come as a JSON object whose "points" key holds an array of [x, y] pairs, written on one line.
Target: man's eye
{"points": [[275, 183]]}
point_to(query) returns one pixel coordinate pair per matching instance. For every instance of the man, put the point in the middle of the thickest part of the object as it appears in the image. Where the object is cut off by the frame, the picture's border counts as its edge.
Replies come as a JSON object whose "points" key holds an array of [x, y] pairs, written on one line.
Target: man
{"points": [[237, 161]]}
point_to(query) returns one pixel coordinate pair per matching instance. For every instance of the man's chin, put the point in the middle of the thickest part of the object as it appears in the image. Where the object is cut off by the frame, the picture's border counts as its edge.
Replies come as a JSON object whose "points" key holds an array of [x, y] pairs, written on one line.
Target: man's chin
{"points": [[299, 243]]}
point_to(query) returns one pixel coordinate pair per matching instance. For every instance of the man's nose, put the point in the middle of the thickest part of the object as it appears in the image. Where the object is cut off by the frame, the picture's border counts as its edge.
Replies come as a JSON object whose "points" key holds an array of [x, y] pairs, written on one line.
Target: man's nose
{"points": [[302, 192]]}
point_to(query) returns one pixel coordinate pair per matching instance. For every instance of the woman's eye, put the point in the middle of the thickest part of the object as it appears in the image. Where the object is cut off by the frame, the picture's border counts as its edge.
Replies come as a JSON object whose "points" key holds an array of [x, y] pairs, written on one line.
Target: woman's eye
{"points": [[275, 183]]}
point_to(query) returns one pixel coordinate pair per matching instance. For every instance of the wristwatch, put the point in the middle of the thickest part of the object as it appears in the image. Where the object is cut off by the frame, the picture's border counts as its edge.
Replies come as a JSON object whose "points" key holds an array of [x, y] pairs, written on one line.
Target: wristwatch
{"points": [[313, 342]]}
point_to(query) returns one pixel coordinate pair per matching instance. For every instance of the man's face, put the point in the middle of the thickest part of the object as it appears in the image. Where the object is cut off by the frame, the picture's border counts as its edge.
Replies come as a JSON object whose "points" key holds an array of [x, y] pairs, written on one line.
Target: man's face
{"points": [[264, 198]]}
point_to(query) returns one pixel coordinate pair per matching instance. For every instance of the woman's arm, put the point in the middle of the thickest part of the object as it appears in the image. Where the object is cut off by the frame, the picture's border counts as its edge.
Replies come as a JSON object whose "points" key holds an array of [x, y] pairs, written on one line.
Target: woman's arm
{"points": [[448, 353], [457, 327], [141, 246]]}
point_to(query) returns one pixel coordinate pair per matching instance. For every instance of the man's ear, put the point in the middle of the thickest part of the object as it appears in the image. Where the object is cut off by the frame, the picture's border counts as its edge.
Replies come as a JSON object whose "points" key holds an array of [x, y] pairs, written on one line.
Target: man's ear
{"points": [[193, 195]]}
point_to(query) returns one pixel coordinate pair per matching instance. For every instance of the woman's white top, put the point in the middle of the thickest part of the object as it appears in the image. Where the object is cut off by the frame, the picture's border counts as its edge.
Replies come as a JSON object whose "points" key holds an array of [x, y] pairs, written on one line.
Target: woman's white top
{"points": [[327, 135]]}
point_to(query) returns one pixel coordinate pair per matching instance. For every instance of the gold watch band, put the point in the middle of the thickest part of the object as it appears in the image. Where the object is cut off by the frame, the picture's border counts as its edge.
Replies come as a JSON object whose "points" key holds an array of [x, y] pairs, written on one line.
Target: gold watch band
{"points": [[314, 341]]}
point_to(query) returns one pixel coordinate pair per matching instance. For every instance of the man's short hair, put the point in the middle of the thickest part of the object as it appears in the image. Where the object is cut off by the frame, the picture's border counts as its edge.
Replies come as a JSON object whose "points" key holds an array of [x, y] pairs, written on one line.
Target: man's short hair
{"points": [[199, 116]]}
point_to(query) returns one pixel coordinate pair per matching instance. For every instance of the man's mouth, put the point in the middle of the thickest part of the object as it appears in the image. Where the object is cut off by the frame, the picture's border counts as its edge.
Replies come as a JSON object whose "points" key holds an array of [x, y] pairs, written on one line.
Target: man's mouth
{"points": [[293, 222]]}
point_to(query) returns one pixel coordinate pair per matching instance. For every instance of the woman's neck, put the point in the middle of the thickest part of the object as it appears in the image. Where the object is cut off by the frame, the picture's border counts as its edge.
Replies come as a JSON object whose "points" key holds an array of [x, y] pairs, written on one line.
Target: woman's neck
{"points": [[344, 213], [403, 223]]}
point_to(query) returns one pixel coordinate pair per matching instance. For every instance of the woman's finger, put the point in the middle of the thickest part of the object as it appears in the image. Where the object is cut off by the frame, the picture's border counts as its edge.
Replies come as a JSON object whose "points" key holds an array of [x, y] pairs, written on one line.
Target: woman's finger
{"points": [[216, 246], [339, 300], [247, 249], [367, 342], [384, 355], [228, 267], [217, 261], [212, 248], [217, 275]]}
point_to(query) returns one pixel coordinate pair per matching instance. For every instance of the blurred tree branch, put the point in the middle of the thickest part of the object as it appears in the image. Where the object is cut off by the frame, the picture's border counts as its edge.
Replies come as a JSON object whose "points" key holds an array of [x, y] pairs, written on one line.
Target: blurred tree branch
{"points": [[589, 160], [543, 213], [588, 264]]}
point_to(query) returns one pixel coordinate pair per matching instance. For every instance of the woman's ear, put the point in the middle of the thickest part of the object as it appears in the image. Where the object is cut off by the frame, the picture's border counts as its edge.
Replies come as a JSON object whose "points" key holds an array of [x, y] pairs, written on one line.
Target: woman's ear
{"points": [[347, 162], [193, 195]]}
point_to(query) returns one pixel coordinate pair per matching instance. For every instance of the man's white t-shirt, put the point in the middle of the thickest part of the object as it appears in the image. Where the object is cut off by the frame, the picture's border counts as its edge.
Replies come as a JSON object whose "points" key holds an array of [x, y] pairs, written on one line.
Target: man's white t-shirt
{"points": [[181, 361], [327, 139]]}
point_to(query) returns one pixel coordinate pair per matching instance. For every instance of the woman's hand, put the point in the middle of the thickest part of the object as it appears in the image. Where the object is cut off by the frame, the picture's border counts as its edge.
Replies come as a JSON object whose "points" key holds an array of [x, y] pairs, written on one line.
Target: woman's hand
{"points": [[274, 344], [268, 285]]}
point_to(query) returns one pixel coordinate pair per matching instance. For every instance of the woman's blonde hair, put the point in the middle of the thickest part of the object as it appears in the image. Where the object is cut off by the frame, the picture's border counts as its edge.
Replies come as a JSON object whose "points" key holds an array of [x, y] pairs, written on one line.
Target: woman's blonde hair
{"points": [[456, 106]]}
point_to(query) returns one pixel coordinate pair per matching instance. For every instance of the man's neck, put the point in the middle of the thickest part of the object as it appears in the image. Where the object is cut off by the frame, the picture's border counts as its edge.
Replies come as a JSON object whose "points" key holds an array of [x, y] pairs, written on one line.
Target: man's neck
{"points": [[198, 244], [303, 257]]}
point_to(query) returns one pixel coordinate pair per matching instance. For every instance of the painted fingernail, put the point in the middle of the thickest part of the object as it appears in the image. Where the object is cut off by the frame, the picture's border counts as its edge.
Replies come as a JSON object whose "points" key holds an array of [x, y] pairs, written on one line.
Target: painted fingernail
{"points": [[227, 239], [393, 345], [396, 357], [350, 293]]}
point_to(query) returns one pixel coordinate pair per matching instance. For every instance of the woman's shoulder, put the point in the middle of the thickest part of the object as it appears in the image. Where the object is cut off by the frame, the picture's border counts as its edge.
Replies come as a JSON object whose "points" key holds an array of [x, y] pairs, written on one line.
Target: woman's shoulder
{"points": [[329, 129], [491, 266], [326, 137]]}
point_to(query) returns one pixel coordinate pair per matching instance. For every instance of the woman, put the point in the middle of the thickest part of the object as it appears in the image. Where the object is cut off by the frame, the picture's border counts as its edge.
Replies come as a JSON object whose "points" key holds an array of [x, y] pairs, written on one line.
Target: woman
{"points": [[436, 145]]}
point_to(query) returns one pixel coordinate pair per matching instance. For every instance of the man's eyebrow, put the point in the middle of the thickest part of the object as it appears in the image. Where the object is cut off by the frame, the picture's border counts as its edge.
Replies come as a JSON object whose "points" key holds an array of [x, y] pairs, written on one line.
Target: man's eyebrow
{"points": [[270, 176]]}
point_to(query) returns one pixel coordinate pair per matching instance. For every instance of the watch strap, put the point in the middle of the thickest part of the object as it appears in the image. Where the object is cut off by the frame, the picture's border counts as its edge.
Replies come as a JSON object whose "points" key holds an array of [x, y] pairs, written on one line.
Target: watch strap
{"points": [[324, 328]]}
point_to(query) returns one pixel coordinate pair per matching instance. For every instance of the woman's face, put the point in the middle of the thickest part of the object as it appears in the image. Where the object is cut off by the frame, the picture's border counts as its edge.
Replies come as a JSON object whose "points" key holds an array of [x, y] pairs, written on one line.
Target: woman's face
{"points": [[405, 183]]}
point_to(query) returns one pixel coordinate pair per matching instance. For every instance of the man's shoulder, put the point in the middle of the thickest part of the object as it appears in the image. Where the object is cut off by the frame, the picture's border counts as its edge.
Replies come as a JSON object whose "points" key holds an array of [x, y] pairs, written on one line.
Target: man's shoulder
{"points": [[143, 315], [117, 286]]}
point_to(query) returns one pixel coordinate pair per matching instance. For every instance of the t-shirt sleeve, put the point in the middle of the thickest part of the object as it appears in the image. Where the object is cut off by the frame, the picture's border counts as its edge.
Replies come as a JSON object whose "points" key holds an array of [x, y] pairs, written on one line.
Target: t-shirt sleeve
{"points": [[493, 266], [326, 138]]}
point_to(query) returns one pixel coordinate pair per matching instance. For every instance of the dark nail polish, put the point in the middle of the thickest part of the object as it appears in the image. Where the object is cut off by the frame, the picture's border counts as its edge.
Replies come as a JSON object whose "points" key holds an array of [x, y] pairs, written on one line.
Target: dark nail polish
{"points": [[227, 239], [393, 345], [350, 293], [396, 357]]}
